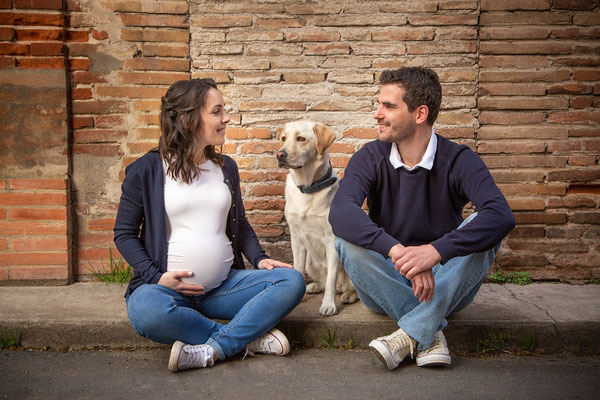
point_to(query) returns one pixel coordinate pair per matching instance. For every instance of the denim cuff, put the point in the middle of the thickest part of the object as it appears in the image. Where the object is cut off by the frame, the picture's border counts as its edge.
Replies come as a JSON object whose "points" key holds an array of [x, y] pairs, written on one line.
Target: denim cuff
{"points": [[211, 342]]}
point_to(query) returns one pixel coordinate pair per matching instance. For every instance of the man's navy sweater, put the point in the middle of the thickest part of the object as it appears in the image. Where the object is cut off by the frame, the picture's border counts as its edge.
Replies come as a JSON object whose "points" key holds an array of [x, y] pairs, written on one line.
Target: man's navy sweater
{"points": [[420, 206]]}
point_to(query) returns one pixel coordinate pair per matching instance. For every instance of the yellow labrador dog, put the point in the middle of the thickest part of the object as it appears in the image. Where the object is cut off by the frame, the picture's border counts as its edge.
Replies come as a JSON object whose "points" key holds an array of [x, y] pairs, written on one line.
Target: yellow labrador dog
{"points": [[309, 190]]}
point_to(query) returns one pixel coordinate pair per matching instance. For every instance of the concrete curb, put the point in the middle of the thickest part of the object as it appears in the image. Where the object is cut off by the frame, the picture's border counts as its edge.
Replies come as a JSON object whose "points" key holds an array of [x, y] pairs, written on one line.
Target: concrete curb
{"points": [[559, 317]]}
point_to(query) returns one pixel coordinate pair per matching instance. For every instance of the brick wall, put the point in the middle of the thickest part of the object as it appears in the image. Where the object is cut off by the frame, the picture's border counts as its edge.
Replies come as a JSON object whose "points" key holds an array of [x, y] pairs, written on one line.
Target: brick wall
{"points": [[520, 80]]}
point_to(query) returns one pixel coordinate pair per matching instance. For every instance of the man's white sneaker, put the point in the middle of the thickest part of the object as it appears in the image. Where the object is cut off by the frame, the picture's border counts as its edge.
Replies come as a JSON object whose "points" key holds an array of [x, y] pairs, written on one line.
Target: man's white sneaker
{"points": [[392, 349], [186, 356], [436, 354], [272, 342]]}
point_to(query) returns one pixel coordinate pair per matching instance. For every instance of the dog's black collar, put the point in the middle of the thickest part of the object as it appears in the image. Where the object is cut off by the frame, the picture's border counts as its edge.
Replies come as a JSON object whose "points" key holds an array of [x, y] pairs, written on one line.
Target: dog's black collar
{"points": [[321, 184]]}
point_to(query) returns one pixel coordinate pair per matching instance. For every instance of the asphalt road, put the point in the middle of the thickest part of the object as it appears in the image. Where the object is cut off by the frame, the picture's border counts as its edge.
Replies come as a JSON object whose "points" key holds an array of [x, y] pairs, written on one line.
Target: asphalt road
{"points": [[304, 374]]}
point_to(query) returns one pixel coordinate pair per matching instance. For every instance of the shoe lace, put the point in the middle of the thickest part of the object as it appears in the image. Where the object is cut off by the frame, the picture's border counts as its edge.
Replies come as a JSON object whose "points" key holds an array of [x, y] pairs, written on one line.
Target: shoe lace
{"points": [[260, 345], [197, 356], [399, 341], [439, 343]]}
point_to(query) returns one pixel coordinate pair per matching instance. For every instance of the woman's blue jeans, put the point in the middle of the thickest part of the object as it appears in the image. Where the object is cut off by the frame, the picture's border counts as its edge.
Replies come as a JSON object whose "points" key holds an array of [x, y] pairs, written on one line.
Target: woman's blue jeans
{"points": [[254, 300], [381, 288]]}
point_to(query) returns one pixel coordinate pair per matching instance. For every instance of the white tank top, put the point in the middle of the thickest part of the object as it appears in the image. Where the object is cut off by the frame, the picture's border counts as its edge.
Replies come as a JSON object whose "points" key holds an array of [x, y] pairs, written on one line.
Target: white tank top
{"points": [[196, 216]]}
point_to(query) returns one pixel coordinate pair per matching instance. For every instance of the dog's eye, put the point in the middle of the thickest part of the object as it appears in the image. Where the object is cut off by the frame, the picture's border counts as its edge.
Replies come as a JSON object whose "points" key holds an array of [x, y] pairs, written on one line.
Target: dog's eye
{"points": [[283, 138], [301, 139]]}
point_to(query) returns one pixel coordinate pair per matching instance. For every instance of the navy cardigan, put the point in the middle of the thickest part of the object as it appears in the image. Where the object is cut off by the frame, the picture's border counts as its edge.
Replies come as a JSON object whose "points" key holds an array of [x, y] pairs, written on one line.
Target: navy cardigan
{"points": [[140, 228]]}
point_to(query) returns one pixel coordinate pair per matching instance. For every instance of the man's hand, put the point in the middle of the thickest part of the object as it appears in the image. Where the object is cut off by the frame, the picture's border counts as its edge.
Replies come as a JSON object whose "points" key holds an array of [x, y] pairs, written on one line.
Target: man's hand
{"points": [[172, 280], [413, 260], [423, 285], [268, 263]]}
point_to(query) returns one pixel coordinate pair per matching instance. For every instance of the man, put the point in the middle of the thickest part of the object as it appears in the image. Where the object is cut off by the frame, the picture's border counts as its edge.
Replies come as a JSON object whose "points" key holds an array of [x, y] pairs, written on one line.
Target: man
{"points": [[413, 257]]}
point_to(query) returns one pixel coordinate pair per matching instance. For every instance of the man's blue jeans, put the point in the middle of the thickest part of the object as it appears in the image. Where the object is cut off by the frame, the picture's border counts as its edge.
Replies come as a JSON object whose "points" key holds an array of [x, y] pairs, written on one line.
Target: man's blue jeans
{"points": [[254, 300], [382, 289]]}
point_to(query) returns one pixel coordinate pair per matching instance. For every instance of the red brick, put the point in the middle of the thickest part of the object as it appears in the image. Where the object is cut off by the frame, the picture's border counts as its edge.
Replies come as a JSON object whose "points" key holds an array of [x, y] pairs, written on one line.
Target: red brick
{"points": [[575, 4], [582, 117], [98, 135], [559, 246], [564, 232], [268, 231], [128, 92], [586, 74], [572, 201], [39, 244], [39, 273], [82, 49], [33, 228], [540, 218], [524, 75], [362, 133], [5, 3], [312, 36], [7, 33], [574, 175], [7, 62], [141, 148], [97, 254], [223, 22], [79, 64], [402, 34], [175, 21], [265, 219], [584, 160], [581, 102], [146, 78], [514, 5], [40, 34], [95, 240], [102, 224], [260, 147], [170, 50], [264, 204], [268, 190], [570, 88], [99, 35], [157, 65], [99, 107], [88, 77], [77, 36], [108, 121], [526, 204], [33, 259], [38, 184], [576, 260], [31, 19], [3, 244], [273, 106], [522, 260], [248, 133], [33, 199], [524, 161], [514, 32], [38, 4], [82, 122], [527, 103], [81, 94], [279, 23], [527, 232], [41, 62], [14, 49], [47, 48], [259, 176], [437, 20], [99, 150], [524, 18]]}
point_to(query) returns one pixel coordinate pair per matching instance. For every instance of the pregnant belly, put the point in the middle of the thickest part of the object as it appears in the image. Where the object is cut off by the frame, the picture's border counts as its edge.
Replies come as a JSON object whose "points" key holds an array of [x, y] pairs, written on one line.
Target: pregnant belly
{"points": [[209, 260]]}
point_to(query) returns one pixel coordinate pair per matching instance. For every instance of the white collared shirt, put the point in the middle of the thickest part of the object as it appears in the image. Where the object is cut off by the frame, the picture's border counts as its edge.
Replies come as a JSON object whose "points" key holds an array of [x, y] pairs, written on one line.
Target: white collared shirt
{"points": [[427, 160]]}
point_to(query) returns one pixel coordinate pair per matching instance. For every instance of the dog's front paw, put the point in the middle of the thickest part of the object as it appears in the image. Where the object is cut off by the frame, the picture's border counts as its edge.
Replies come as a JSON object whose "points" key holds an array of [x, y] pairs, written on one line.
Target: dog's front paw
{"points": [[349, 297], [314, 287], [327, 309]]}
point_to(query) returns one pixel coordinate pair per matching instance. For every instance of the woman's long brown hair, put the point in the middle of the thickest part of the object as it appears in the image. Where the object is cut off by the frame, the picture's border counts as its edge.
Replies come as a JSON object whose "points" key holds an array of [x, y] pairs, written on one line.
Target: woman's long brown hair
{"points": [[180, 121]]}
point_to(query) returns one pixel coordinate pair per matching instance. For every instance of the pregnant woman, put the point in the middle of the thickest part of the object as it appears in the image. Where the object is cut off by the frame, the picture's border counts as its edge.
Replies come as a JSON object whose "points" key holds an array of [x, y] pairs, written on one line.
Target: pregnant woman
{"points": [[181, 225]]}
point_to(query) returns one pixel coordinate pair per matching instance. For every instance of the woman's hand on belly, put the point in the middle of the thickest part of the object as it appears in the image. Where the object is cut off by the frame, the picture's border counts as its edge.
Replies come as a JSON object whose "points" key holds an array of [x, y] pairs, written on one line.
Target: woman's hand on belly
{"points": [[172, 280]]}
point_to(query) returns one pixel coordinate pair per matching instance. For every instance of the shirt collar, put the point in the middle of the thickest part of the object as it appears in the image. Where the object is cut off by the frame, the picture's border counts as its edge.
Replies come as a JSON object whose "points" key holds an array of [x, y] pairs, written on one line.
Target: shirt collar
{"points": [[427, 160]]}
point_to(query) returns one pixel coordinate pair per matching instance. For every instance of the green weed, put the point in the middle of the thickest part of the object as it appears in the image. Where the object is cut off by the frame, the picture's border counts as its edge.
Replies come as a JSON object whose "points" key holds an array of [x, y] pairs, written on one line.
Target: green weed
{"points": [[529, 341], [351, 343], [329, 338], [118, 271], [519, 278], [10, 339], [594, 281], [493, 343]]}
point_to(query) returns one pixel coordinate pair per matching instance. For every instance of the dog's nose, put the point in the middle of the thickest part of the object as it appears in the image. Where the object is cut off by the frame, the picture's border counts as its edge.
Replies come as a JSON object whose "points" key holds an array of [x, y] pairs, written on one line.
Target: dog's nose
{"points": [[281, 155]]}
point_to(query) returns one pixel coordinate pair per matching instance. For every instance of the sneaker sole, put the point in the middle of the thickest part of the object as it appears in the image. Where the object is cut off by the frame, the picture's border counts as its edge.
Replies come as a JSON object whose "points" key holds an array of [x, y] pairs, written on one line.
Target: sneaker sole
{"points": [[174, 357], [434, 360], [379, 350]]}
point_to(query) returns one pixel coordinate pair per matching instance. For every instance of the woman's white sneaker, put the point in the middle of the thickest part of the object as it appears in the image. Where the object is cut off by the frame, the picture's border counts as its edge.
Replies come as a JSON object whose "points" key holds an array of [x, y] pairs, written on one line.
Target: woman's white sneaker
{"points": [[186, 356], [273, 342], [437, 354]]}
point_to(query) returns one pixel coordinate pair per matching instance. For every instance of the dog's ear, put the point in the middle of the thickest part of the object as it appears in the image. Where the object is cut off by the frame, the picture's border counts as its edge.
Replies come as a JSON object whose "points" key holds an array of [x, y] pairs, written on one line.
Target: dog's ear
{"points": [[324, 136]]}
